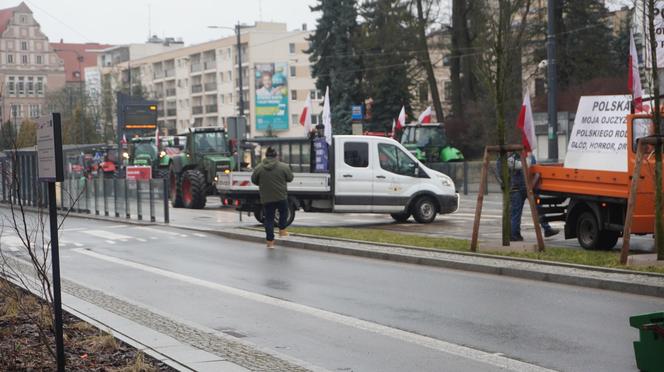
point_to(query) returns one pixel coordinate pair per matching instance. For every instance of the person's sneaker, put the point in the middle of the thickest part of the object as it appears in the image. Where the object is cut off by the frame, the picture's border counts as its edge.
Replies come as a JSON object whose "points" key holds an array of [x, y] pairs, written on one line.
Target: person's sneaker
{"points": [[283, 233], [270, 243], [551, 232], [517, 238]]}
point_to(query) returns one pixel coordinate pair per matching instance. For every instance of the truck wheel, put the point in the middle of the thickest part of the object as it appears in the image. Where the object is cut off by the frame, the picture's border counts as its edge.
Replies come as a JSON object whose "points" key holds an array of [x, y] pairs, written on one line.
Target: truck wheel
{"points": [[608, 240], [193, 189], [175, 189], [260, 216], [424, 210], [400, 217], [587, 231]]}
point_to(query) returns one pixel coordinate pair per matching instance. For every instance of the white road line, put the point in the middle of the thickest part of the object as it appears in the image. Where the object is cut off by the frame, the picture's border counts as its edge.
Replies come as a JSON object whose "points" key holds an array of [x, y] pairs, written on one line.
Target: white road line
{"points": [[117, 227], [183, 235], [141, 240], [154, 238], [78, 244], [157, 231], [200, 235], [429, 342], [109, 242], [106, 235]]}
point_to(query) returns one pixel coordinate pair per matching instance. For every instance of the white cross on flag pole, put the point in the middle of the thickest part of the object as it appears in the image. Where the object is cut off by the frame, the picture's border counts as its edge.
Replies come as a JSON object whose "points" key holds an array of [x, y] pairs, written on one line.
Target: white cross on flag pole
{"points": [[527, 124]]}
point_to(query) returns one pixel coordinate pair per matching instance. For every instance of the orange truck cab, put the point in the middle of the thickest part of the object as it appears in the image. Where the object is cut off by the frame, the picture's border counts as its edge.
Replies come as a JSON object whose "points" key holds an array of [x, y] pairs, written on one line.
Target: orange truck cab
{"points": [[593, 203]]}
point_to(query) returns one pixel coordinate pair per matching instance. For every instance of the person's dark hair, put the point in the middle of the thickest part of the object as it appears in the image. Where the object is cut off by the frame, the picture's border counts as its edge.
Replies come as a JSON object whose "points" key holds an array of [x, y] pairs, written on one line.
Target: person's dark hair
{"points": [[271, 153]]}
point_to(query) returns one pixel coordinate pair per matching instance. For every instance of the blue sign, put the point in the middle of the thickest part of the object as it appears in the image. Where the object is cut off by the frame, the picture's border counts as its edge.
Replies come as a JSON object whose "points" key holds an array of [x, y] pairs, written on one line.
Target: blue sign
{"points": [[321, 153], [357, 112]]}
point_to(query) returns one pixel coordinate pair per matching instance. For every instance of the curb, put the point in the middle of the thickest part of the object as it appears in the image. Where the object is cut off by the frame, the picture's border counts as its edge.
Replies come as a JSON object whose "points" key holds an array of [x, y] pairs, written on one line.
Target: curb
{"points": [[559, 278]]}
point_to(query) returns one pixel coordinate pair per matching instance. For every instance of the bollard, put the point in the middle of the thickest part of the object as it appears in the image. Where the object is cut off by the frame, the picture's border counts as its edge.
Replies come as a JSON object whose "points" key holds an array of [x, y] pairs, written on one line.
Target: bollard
{"points": [[115, 197], [103, 187], [465, 177], [166, 192], [139, 210], [126, 196], [94, 191], [151, 195]]}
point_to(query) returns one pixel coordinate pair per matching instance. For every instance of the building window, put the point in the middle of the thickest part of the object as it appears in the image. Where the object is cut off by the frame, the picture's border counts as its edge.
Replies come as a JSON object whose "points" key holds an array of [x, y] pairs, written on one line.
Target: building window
{"points": [[295, 118], [10, 58], [314, 119], [293, 95], [11, 85], [23, 19], [21, 86], [16, 111], [39, 60], [24, 59], [24, 45], [221, 98], [31, 86], [447, 90], [230, 98], [230, 76], [39, 87], [423, 92], [291, 48], [293, 71], [34, 111], [315, 95]]}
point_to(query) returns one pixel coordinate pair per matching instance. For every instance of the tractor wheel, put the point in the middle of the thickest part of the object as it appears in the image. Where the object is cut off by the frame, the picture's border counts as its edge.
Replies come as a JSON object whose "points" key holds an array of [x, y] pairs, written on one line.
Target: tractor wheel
{"points": [[400, 217], [193, 189], [424, 210], [175, 189]]}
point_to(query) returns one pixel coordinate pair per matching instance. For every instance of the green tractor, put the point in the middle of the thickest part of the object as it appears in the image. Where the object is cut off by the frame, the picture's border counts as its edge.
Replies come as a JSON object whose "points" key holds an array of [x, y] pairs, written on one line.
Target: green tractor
{"points": [[192, 173], [428, 142], [143, 151]]}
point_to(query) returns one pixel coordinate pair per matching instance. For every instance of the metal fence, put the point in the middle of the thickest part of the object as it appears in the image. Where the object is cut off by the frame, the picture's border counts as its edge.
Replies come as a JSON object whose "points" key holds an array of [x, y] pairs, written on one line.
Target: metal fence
{"points": [[91, 194]]}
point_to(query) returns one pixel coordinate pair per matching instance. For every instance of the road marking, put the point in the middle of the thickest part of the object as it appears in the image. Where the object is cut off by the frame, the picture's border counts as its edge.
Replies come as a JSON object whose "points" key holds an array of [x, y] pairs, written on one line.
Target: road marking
{"points": [[109, 242], [117, 227], [424, 341], [157, 231], [106, 235], [10, 243], [141, 240], [200, 235]]}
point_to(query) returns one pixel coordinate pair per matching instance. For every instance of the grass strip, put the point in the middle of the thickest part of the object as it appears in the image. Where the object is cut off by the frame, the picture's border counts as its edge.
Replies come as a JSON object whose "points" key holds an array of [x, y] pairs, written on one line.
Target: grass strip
{"points": [[555, 254]]}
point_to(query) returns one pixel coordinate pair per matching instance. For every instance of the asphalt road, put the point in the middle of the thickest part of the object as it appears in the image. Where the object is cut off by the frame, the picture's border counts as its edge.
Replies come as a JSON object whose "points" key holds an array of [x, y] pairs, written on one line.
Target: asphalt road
{"points": [[353, 314]]}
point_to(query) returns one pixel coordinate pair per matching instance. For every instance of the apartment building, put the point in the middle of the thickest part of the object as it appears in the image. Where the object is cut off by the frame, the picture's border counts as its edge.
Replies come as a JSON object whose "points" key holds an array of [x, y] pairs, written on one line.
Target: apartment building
{"points": [[199, 85], [29, 67]]}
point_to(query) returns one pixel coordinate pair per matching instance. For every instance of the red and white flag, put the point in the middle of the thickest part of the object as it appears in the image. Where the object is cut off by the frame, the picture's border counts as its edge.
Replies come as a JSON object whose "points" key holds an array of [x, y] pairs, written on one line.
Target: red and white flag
{"points": [[327, 117], [399, 123], [425, 116], [527, 124], [123, 140], [305, 116], [634, 79]]}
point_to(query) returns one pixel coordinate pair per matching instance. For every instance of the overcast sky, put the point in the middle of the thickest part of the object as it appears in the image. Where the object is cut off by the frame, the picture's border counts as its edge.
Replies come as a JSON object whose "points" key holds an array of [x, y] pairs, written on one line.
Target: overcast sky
{"points": [[126, 21], [129, 21]]}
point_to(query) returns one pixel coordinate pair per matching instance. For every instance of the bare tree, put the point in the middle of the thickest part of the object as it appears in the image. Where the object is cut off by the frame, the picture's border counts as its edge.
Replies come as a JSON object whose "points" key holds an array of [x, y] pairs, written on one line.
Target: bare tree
{"points": [[501, 45]]}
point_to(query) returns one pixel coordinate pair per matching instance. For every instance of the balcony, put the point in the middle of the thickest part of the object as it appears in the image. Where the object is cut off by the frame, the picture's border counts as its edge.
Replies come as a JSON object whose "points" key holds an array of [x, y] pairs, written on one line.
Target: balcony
{"points": [[210, 65], [158, 75], [196, 67], [210, 87], [170, 92], [198, 88], [171, 112], [169, 73], [197, 110], [210, 109]]}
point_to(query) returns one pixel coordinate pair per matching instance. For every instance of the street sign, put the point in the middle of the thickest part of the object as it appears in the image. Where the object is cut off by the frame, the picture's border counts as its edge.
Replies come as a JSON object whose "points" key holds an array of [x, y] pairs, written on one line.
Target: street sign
{"points": [[357, 113], [49, 148], [139, 172]]}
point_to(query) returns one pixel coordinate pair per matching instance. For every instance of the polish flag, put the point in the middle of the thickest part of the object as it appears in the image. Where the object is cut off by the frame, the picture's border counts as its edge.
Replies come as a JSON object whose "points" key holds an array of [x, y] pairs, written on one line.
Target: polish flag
{"points": [[634, 79], [425, 116], [400, 122], [527, 124], [305, 116]]}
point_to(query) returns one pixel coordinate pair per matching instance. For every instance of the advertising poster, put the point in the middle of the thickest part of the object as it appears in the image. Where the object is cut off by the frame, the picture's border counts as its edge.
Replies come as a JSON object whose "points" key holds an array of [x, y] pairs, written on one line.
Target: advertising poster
{"points": [[599, 137], [271, 96]]}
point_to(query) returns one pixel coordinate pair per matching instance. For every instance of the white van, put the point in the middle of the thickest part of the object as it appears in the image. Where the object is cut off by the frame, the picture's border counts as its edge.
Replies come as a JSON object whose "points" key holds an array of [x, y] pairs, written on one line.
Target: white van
{"points": [[367, 175]]}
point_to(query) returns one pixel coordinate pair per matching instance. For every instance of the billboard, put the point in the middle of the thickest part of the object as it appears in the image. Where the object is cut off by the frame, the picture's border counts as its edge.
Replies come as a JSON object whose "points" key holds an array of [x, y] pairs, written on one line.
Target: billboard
{"points": [[271, 96]]}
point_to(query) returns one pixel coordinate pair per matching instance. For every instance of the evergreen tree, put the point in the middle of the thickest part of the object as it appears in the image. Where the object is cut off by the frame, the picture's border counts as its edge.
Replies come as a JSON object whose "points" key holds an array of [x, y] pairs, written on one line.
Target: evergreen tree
{"points": [[387, 40], [334, 58], [7, 136]]}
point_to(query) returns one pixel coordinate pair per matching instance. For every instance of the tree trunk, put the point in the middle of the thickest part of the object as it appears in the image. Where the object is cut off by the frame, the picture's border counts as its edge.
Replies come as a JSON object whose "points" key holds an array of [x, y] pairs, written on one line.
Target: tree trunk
{"points": [[426, 61], [659, 222]]}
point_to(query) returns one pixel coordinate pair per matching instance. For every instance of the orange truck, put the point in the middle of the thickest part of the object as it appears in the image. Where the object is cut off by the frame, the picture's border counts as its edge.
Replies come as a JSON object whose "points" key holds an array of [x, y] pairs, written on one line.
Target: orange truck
{"points": [[593, 203]]}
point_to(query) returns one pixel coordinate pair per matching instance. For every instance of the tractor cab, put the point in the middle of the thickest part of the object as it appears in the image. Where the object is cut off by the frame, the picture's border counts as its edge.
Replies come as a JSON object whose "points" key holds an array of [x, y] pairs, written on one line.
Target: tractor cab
{"points": [[429, 143]]}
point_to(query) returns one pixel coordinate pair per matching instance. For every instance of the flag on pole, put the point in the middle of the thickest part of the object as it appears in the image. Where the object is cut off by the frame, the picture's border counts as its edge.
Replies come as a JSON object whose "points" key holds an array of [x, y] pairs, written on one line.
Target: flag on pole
{"points": [[156, 138], [124, 139], [400, 122], [425, 116], [527, 124], [305, 116], [327, 117], [634, 79]]}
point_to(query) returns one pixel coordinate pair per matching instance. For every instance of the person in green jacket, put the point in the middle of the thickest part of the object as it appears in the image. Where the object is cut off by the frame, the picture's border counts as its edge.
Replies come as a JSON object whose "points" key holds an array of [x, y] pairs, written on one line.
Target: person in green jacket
{"points": [[271, 176]]}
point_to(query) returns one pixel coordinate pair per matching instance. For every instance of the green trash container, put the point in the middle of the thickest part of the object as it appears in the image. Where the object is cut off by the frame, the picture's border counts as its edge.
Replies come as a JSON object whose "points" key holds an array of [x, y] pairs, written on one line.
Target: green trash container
{"points": [[649, 350]]}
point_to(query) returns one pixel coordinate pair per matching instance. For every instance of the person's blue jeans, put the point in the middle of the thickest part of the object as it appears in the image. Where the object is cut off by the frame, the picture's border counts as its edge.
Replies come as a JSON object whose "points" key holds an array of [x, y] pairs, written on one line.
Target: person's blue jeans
{"points": [[517, 201], [269, 210]]}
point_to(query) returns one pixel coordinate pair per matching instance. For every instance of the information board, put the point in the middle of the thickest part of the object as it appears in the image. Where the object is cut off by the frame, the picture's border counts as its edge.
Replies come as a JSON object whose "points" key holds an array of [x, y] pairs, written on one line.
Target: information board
{"points": [[49, 148], [599, 137]]}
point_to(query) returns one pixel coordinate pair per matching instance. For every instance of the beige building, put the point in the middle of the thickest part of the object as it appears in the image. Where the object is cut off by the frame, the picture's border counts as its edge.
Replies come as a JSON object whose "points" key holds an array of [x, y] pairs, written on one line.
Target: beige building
{"points": [[199, 86], [29, 68]]}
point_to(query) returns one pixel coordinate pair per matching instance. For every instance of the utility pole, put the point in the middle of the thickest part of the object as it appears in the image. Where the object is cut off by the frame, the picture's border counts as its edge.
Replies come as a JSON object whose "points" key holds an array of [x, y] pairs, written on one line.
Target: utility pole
{"points": [[239, 64], [551, 77]]}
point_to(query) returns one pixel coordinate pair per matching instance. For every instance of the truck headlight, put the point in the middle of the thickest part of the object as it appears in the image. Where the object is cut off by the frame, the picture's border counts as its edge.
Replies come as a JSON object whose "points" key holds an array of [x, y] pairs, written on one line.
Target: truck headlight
{"points": [[446, 181], [162, 154]]}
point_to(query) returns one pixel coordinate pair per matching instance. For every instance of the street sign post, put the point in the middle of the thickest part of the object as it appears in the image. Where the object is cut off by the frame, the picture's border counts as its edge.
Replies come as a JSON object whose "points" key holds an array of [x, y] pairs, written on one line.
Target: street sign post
{"points": [[49, 149]]}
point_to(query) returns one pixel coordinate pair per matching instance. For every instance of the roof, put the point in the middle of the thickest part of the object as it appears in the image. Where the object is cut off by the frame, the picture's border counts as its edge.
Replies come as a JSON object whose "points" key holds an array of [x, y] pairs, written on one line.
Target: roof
{"points": [[7, 13], [69, 53]]}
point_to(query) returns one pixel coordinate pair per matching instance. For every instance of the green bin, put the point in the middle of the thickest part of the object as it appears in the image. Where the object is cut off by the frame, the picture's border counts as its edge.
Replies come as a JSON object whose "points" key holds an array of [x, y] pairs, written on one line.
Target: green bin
{"points": [[649, 350]]}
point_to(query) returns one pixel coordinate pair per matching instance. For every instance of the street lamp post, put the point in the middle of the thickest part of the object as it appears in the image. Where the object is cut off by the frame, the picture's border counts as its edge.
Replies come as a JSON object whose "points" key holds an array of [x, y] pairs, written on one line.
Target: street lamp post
{"points": [[238, 44]]}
